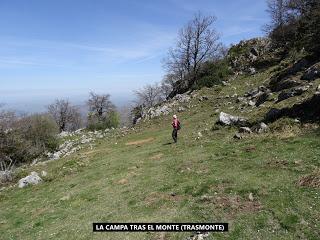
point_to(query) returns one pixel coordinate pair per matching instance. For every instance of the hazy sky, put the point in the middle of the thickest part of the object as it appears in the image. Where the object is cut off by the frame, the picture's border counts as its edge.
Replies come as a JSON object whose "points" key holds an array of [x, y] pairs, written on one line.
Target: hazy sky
{"points": [[65, 48]]}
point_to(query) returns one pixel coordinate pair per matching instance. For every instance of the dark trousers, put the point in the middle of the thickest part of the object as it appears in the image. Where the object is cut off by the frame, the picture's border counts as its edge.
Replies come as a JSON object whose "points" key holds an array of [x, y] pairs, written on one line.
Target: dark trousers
{"points": [[175, 135]]}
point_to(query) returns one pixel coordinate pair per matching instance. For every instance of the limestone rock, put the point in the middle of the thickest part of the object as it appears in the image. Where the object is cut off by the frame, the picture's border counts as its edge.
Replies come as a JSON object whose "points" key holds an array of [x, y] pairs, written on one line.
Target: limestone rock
{"points": [[32, 179], [227, 119]]}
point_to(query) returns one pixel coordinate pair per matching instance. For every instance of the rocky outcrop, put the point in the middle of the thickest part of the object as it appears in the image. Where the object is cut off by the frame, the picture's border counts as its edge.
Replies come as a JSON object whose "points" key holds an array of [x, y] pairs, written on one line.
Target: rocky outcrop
{"points": [[312, 73], [252, 55], [257, 96], [32, 179], [306, 111], [286, 78], [297, 91], [178, 103], [277, 86]]}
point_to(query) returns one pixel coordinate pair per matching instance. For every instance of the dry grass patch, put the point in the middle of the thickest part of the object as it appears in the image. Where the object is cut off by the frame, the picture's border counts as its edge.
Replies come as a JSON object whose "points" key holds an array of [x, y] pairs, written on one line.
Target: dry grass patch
{"points": [[143, 141], [155, 197], [312, 180], [123, 181], [157, 156], [277, 163]]}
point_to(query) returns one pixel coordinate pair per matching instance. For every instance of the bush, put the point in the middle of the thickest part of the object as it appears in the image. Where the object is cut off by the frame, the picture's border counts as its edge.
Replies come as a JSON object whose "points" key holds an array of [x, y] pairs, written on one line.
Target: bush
{"points": [[41, 131], [112, 120], [28, 138], [213, 73]]}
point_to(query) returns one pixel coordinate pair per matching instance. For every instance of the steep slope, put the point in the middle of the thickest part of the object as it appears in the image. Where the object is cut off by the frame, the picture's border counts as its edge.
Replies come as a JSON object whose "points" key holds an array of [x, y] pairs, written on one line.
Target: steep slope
{"points": [[265, 185]]}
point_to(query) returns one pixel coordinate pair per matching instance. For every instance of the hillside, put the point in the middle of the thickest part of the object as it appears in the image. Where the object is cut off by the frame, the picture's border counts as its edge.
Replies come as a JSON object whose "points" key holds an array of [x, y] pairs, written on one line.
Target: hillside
{"points": [[265, 185]]}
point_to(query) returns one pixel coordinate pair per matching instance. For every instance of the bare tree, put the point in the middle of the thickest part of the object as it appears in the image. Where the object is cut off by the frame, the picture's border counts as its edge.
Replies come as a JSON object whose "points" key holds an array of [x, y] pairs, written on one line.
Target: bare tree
{"points": [[149, 95], [100, 105], [167, 85], [278, 11], [65, 115], [197, 43]]}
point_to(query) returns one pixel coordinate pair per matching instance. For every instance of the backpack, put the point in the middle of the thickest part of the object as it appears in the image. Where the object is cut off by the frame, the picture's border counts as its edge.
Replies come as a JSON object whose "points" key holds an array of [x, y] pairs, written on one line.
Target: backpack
{"points": [[179, 126]]}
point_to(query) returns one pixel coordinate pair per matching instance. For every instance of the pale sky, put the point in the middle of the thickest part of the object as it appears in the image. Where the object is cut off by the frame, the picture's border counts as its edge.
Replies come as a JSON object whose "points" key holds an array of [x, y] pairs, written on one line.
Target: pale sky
{"points": [[66, 48]]}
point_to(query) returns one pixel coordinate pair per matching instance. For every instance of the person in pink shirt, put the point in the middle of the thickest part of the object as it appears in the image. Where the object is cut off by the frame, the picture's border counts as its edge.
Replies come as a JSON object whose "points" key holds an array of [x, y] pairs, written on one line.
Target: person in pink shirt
{"points": [[176, 127]]}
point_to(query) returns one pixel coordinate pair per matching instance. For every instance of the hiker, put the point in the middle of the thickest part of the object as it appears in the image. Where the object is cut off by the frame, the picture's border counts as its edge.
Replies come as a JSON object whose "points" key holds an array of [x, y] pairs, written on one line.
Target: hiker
{"points": [[176, 128]]}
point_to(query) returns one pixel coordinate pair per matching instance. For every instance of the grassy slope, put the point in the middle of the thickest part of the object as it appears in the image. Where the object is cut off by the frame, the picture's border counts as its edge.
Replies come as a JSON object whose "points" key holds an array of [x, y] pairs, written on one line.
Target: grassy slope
{"points": [[211, 179]]}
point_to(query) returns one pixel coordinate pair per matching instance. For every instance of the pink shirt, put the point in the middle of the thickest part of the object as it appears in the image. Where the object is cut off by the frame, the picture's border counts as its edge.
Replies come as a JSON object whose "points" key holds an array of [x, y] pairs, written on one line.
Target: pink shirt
{"points": [[175, 123]]}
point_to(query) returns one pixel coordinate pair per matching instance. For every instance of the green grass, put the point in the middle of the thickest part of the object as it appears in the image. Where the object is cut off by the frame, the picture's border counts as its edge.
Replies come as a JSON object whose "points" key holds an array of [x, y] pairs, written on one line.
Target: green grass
{"points": [[211, 179]]}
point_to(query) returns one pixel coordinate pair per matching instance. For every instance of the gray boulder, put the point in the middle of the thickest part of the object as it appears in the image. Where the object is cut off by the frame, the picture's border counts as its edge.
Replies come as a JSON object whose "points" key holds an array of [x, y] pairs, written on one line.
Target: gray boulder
{"points": [[32, 179], [227, 119]]}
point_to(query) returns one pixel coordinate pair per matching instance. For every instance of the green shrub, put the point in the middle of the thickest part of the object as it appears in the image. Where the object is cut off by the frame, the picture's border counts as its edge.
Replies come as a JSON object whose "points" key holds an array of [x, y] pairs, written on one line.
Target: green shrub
{"points": [[112, 120], [28, 138], [213, 73]]}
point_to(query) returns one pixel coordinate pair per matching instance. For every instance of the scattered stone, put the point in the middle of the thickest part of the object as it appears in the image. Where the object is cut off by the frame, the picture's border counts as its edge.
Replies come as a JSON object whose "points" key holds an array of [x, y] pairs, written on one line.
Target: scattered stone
{"points": [[251, 103], [199, 135], [32, 179], [240, 99], [198, 236], [245, 130], [251, 197], [44, 173], [260, 128], [237, 136], [252, 70], [65, 198], [182, 98], [202, 98], [181, 109]]}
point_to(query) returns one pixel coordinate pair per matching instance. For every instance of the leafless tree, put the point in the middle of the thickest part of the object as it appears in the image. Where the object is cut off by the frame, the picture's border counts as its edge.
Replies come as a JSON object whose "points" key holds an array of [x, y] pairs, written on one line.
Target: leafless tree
{"points": [[100, 105], [278, 11], [167, 85], [65, 115], [197, 43], [149, 95]]}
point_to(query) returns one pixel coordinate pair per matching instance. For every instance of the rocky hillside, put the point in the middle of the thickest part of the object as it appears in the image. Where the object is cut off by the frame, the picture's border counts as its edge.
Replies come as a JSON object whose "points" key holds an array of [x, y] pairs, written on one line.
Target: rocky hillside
{"points": [[247, 154]]}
